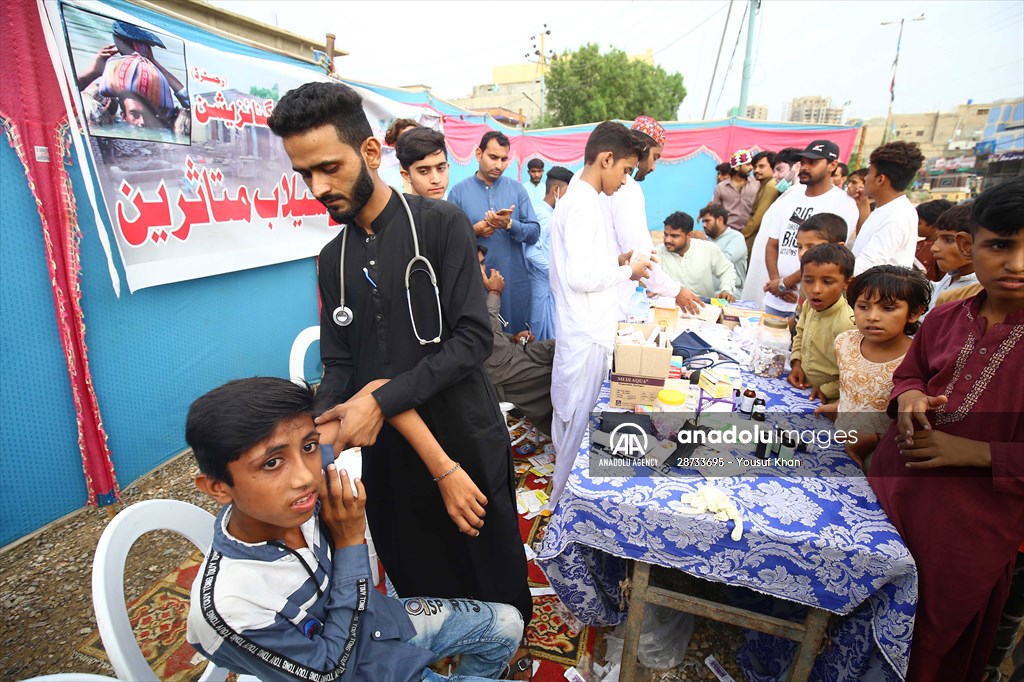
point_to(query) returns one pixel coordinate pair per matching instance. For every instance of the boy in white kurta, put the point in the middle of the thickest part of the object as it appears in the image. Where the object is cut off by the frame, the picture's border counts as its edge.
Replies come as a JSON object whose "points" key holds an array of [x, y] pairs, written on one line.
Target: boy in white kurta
{"points": [[627, 211], [586, 273]]}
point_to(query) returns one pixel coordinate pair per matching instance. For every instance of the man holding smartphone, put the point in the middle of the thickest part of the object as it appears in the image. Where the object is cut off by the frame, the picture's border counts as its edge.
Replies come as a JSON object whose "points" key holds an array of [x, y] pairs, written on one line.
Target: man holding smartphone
{"points": [[503, 220]]}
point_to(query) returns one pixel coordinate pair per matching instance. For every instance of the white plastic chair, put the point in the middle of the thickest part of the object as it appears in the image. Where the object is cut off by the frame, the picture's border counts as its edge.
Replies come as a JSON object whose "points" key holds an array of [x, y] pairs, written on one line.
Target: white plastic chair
{"points": [[108, 600], [297, 373], [527, 434], [297, 357]]}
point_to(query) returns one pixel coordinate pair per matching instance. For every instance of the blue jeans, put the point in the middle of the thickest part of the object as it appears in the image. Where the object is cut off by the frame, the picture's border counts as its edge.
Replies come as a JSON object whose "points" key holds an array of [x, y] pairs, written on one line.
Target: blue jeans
{"points": [[483, 634]]}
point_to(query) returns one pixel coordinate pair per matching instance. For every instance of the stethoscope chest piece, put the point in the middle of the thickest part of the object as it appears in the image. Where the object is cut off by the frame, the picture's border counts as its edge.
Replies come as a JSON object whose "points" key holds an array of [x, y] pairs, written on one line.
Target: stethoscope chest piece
{"points": [[342, 316]]}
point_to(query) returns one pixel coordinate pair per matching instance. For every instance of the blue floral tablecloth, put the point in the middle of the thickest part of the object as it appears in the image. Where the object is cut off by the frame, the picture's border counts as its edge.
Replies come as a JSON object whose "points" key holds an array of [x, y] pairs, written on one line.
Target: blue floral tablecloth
{"points": [[818, 539]]}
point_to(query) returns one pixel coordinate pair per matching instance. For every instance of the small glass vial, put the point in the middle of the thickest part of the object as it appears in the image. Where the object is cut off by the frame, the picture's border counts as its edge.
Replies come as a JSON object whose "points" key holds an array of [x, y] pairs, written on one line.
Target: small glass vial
{"points": [[788, 448], [763, 444], [747, 404], [776, 444], [757, 413], [737, 398]]}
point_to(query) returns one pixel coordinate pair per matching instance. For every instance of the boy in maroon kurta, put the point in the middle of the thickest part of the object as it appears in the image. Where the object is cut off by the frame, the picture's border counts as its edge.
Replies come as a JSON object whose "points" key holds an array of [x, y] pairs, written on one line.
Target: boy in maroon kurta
{"points": [[950, 471]]}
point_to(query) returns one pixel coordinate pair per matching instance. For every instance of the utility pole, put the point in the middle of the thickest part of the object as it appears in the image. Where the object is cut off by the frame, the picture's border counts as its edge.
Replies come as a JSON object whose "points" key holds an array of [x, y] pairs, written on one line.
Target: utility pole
{"points": [[542, 54], [543, 68], [860, 148], [748, 64], [892, 83], [329, 44]]}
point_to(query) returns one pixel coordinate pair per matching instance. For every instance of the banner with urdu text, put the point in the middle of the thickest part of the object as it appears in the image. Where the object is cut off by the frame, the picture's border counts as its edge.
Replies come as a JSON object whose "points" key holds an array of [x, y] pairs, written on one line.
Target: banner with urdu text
{"points": [[192, 179]]}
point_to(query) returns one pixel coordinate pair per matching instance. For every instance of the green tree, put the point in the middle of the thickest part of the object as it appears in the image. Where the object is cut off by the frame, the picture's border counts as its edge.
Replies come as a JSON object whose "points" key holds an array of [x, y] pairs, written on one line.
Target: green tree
{"points": [[265, 93], [586, 86]]}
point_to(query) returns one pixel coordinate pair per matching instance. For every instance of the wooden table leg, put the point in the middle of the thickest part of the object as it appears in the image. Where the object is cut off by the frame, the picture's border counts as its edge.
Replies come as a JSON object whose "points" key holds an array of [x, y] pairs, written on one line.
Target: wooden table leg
{"points": [[816, 624], [635, 619]]}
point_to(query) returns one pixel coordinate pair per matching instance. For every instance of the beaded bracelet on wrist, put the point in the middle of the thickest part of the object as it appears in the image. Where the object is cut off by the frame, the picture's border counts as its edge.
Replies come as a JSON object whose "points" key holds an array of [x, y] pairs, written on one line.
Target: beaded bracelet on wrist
{"points": [[447, 473]]}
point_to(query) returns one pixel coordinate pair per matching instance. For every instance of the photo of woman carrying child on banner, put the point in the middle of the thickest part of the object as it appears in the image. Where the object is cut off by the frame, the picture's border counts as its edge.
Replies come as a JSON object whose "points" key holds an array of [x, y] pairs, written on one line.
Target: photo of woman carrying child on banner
{"points": [[132, 80]]}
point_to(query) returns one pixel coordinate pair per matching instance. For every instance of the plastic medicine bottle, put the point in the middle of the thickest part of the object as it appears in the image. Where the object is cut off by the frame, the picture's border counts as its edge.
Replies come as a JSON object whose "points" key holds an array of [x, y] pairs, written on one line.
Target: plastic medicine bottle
{"points": [[639, 311]]}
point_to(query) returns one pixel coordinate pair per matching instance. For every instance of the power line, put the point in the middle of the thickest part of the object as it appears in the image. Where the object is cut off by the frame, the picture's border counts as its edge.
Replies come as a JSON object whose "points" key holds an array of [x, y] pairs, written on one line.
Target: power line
{"points": [[718, 56], [1002, 13], [1010, 20], [1003, 66], [993, 89], [623, 35], [725, 78], [706, 20]]}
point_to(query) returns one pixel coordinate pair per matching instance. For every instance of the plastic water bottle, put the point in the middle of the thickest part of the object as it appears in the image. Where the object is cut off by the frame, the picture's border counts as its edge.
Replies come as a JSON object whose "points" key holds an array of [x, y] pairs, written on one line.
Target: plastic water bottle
{"points": [[639, 311]]}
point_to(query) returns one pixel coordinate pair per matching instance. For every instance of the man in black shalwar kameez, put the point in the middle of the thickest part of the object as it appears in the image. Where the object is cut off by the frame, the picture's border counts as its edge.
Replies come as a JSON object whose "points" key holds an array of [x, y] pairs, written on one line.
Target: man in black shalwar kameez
{"points": [[331, 146]]}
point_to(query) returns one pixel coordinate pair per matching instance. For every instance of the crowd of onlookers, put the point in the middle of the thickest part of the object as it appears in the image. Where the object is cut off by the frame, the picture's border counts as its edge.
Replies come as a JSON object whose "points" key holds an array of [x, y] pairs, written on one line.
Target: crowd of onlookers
{"points": [[907, 323]]}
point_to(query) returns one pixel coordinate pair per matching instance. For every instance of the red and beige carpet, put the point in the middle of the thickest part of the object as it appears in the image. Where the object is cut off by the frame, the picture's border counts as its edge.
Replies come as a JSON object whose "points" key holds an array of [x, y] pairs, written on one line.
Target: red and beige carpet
{"points": [[158, 617]]}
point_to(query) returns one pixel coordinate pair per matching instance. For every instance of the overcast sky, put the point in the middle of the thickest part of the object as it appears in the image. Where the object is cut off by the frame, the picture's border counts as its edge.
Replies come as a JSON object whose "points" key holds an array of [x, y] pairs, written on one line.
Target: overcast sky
{"points": [[837, 48]]}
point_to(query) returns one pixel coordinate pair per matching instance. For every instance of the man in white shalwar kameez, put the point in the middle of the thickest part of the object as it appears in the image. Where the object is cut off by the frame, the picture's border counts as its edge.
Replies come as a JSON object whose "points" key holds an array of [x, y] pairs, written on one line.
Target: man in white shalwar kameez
{"points": [[627, 210], [587, 271]]}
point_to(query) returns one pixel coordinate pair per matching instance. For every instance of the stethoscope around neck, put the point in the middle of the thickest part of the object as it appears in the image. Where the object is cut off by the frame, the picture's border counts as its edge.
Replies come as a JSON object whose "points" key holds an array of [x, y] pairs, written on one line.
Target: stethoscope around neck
{"points": [[343, 314]]}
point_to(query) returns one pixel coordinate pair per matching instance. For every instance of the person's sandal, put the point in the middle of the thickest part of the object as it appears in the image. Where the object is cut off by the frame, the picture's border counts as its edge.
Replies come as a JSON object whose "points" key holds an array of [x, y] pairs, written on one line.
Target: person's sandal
{"points": [[520, 667]]}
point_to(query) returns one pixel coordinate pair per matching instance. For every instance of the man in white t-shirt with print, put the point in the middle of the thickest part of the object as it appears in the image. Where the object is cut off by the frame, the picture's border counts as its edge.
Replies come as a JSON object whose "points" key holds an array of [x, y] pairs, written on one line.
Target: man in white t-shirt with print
{"points": [[783, 219], [889, 235]]}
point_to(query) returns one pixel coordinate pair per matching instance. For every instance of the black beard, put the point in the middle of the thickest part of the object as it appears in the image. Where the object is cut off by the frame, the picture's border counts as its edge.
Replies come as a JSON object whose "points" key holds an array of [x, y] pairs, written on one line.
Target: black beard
{"points": [[361, 193]]}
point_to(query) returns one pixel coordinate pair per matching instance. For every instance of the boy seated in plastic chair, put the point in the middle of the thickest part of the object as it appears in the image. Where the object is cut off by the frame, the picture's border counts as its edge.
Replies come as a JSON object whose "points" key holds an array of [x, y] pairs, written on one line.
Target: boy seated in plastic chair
{"points": [[285, 591]]}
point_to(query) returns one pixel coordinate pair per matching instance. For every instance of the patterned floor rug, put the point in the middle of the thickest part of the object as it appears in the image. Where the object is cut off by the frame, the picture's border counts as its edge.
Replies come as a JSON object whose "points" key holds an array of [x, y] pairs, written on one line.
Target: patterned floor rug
{"points": [[557, 640], [159, 617]]}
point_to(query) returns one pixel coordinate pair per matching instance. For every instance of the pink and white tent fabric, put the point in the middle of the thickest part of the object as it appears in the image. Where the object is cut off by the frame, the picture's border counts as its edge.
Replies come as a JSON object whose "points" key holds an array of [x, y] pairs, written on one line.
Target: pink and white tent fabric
{"points": [[719, 139]]}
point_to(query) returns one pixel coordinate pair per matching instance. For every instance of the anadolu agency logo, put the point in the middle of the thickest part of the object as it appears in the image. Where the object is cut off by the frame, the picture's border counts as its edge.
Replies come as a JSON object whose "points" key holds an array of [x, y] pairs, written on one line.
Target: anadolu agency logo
{"points": [[629, 440]]}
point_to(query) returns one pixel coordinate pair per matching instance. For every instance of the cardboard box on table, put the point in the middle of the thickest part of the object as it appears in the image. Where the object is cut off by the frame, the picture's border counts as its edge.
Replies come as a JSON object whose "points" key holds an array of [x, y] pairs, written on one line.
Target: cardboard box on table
{"points": [[733, 317], [715, 383], [665, 310], [639, 372]]}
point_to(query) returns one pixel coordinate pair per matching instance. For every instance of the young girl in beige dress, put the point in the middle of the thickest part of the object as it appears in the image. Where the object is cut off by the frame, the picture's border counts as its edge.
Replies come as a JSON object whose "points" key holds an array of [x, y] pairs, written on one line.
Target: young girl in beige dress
{"points": [[887, 303]]}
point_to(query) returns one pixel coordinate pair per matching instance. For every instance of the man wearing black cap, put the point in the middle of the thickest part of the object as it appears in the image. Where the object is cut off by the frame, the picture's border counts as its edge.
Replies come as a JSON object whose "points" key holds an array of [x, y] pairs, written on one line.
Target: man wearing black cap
{"points": [[781, 222]]}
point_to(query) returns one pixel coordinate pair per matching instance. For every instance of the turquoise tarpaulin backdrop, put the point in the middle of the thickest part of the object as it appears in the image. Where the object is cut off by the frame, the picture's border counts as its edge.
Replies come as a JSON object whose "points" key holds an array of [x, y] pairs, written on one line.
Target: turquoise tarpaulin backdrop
{"points": [[154, 351]]}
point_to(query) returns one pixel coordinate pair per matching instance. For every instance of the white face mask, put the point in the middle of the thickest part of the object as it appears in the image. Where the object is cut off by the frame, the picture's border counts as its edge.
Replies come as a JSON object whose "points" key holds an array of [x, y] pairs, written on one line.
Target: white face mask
{"points": [[787, 181]]}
